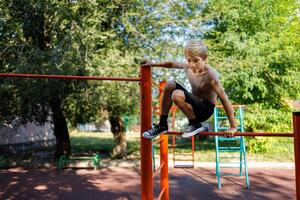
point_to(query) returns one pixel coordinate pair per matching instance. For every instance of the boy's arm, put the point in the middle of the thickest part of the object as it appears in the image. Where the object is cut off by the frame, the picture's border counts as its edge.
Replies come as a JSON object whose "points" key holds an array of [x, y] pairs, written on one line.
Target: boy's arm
{"points": [[226, 104], [166, 64]]}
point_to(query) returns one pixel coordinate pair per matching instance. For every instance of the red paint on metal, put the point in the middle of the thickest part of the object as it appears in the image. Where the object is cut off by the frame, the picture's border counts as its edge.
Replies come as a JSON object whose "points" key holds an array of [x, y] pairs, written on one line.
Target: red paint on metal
{"points": [[146, 145], [164, 173], [296, 124], [70, 77], [263, 134]]}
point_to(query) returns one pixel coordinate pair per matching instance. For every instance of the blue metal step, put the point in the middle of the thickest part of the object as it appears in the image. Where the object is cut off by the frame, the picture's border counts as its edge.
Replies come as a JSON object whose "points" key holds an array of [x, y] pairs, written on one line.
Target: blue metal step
{"points": [[228, 154], [225, 157], [229, 139], [233, 174], [229, 148], [222, 117]]}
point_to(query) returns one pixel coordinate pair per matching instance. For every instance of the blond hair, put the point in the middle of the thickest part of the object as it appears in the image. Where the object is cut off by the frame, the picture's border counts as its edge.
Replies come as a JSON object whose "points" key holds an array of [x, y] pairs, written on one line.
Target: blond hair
{"points": [[196, 47]]}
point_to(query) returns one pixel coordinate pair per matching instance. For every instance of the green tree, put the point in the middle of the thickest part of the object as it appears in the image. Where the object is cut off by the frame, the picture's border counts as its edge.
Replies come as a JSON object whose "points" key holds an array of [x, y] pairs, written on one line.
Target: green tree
{"points": [[255, 45], [47, 37]]}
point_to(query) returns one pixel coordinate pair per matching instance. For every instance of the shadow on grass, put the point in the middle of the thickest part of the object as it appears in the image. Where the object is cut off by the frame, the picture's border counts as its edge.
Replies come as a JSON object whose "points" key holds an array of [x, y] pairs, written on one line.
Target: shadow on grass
{"points": [[100, 145]]}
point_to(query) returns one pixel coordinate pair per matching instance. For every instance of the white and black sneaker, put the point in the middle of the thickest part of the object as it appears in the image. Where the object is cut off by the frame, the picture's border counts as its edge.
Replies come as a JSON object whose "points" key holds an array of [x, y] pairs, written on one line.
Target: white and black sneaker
{"points": [[155, 131], [192, 130]]}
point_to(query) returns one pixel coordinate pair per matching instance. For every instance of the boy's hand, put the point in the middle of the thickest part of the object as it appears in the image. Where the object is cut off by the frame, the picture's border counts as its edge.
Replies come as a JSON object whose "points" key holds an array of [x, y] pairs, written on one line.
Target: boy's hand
{"points": [[230, 132]]}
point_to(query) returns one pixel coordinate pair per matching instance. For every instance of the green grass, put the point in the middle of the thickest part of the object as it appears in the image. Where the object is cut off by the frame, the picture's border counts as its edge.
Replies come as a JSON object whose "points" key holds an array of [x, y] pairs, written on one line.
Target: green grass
{"points": [[101, 141], [282, 151], [90, 142]]}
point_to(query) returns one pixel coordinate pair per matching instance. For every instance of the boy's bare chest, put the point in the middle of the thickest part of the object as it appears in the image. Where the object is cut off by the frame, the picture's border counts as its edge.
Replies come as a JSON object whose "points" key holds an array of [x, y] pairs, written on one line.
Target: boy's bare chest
{"points": [[198, 82]]}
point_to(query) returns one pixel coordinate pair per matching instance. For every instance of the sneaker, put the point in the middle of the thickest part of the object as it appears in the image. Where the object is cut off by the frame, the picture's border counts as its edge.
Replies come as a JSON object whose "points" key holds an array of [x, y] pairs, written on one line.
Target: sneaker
{"points": [[155, 131], [192, 130]]}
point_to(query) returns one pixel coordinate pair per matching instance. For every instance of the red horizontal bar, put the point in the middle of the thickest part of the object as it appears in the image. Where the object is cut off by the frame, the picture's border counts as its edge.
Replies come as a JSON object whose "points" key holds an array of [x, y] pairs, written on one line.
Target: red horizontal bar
{"points": [[241, 134], [158, 169], [69, 77]]}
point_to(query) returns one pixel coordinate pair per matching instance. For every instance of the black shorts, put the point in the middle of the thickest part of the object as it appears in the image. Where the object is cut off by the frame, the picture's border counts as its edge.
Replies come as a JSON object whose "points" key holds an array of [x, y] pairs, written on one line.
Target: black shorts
{"points": [[202, 108]]}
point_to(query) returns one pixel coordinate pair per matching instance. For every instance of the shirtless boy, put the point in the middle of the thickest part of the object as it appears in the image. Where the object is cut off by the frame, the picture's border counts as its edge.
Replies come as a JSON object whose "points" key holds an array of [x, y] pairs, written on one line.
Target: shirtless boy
{"points": [[199, 105]]}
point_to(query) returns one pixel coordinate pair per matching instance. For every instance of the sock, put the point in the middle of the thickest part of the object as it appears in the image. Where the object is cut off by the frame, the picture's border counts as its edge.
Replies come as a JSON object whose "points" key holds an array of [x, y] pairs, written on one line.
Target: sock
{"points": [[193, 121], [163, 120]]}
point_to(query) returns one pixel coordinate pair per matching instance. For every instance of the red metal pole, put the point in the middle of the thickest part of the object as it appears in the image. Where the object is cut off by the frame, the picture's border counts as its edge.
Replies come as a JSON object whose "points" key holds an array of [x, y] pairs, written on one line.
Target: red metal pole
{"points": [[296, 123], [164, 173], [70, 77], [146, 145]]}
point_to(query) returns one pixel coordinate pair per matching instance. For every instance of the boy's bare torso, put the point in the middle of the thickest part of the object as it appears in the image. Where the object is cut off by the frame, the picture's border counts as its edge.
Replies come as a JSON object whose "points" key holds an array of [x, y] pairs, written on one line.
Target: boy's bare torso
{"points": [[201, 83]]}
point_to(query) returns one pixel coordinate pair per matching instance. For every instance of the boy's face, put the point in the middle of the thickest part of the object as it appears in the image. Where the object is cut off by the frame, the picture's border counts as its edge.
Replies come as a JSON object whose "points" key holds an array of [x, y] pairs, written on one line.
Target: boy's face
{"points": [[195, 61]]}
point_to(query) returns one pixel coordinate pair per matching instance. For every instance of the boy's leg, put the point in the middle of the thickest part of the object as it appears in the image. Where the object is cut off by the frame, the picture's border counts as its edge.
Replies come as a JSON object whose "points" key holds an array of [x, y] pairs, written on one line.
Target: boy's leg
{"points": [[166, 102], [192, 107], [163, 121], [178, 98], [167, 97]]}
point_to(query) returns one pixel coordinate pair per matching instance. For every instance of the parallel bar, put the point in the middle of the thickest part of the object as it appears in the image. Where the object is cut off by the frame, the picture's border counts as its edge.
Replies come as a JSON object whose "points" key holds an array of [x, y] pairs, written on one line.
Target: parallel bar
{"points": [[146, 145], [161, 193], [70, 77], [158, 170], [296, 124], [164, 172], [240, 134]]}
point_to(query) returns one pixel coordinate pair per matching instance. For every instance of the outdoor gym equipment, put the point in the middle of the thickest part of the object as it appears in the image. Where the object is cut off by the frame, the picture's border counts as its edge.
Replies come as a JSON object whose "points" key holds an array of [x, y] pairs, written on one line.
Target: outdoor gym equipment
{"points": [[147, 191], [180, 160], [64, 160], [234, 145]]}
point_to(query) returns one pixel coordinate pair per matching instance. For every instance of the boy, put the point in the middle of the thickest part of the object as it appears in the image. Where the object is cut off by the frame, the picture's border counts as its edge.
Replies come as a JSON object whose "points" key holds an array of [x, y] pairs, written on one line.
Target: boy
{"points": [[199, 105]]}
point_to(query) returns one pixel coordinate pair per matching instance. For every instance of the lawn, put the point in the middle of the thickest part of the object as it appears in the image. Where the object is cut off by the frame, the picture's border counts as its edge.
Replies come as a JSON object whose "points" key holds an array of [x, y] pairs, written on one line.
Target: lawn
{"points": [[87, 143], [204, 147]]}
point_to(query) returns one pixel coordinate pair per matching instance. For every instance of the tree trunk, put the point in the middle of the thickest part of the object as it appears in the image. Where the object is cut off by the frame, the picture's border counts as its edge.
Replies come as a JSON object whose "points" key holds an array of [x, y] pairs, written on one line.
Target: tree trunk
{"points": [[118, 130], [63, 145]]}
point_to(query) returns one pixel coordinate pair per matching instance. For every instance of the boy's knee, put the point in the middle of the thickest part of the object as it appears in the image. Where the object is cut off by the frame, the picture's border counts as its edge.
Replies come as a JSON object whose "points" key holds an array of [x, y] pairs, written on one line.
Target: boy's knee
{"points": [[178, 96], [170, 86]]}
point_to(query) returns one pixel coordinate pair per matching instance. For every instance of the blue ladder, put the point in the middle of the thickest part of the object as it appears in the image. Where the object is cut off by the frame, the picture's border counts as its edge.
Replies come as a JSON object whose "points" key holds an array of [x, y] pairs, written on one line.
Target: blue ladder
{"points": [[242, 163]]}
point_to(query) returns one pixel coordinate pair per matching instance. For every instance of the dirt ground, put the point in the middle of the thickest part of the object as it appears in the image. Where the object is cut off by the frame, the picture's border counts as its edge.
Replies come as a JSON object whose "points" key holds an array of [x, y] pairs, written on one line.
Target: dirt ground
{"points": [[120, 183]]}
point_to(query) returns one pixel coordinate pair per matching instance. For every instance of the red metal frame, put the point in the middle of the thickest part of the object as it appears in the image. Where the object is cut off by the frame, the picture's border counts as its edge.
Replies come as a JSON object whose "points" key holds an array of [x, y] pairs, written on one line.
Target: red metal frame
{"points": [[146, 145], [70, 77], [263, 134], [296, 124]]}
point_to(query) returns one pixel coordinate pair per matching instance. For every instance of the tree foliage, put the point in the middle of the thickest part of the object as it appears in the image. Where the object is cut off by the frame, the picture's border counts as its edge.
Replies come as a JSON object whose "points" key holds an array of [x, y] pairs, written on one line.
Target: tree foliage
{"points": [[254, 45]]}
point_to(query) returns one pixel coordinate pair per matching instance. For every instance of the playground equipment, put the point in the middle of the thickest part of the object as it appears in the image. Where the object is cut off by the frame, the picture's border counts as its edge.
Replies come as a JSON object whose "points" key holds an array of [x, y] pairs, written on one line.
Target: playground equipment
{"points": [[177, 162], [146, 145], [65, 160], [231, 148], [173, 109]]}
